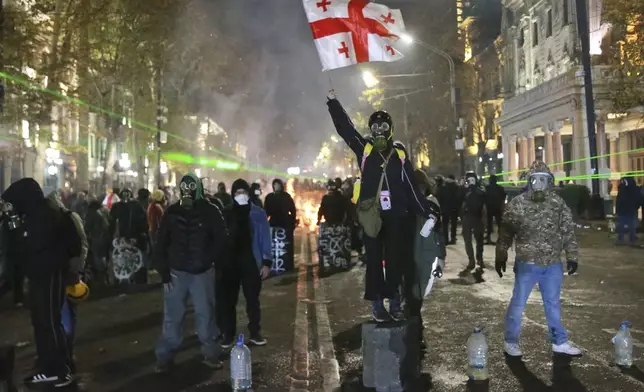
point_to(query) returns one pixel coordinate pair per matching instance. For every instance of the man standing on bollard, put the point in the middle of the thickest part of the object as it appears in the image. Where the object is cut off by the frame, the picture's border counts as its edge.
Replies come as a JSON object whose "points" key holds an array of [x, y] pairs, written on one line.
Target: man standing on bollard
{"points": [[541, 224]]}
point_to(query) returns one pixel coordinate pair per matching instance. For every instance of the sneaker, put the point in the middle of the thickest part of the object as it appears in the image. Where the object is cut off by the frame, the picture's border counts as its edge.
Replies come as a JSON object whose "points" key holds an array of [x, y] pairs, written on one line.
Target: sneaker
{"points": [[213, 363], [379, 312], [227, 342], [44, 379], [512, 349], [257, 340], [566, 349]]}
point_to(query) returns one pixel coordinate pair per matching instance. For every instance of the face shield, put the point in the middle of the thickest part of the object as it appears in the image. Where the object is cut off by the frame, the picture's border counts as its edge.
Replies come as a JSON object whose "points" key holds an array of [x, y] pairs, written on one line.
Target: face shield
{"points": [[381, 133], [539, 184]]}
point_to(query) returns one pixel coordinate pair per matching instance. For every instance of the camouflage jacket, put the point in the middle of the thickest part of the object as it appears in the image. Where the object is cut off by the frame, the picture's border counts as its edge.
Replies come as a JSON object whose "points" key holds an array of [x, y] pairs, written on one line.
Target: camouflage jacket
{"points": [[542, 230]]}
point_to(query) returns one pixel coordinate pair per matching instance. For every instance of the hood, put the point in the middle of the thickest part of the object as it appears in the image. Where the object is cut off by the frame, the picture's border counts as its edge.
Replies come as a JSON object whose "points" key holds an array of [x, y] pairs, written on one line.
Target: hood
{"points": [[629, 182], [25, 195], [194, 177], [493, 179], [538, 167], [278, 181], [239, 184], [423, 181], [143, 194]]}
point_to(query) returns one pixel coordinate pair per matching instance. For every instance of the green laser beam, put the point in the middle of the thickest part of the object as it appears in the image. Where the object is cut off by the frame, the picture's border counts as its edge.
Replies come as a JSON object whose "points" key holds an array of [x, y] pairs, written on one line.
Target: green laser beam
{"points": [[634, 173]]}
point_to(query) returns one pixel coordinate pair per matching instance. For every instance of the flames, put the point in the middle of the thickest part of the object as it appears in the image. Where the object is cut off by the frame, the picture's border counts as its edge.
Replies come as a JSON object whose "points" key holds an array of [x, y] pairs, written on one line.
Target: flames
{"points": [[307, 204]]}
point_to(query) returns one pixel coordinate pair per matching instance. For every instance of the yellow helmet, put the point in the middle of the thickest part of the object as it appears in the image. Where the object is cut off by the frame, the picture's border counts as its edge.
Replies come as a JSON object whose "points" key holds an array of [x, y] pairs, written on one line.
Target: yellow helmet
{"points": [[77, 292]]}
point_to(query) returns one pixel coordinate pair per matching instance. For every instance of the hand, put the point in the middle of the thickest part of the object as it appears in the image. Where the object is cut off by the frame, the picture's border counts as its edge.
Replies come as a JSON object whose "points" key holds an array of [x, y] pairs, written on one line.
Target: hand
{"points": [[331, 95], [501, 262], [265, 273], [438, 272], [169, 286], [572, 267]]}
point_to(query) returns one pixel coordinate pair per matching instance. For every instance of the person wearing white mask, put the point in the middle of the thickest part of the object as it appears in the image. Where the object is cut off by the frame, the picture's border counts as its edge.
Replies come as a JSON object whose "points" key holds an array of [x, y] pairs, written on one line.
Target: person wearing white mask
{"points": [[251, 263]]}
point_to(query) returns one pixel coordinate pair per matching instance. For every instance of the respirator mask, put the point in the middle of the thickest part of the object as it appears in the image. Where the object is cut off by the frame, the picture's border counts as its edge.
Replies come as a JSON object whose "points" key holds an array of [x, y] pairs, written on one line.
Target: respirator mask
{"points": [[14, 220], [381, 133], [470, 182], [188, 189], [539, 184]]}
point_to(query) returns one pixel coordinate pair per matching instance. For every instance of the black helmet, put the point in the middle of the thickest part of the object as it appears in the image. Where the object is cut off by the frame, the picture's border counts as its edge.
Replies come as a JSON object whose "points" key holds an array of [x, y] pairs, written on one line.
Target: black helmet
{"points": [[380, 117]]}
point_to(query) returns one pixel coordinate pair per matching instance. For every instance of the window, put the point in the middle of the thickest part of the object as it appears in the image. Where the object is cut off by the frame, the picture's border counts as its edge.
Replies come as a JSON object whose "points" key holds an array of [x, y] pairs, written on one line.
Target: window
{"points": [[535, 33], [549, 25], [91, 145], [564, 12], [521, 37]]}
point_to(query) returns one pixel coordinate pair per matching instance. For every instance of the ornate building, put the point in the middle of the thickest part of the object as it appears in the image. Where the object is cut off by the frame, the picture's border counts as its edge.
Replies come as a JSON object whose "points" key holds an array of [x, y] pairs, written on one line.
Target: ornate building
{"points": [[544, 114]]}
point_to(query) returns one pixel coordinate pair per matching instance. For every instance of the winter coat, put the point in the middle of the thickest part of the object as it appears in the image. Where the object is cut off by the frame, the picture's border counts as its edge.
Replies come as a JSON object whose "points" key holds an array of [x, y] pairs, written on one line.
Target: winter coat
{"points": [[44, 249], [629, 198], [495, 196], [128, 220], [261, 236], [191, 239], [280, 209], [334, 208], [97, 229], [448, 197], [426, 250], [404, 194]]}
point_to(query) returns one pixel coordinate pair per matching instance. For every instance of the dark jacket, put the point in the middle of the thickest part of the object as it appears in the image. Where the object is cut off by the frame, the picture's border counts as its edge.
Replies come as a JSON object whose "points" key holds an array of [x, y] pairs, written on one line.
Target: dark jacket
{"points": [[280, 209], [192, 239], [629, 198], [404, 193], [44, 250], [474, 202], [260, 234], [128, 220], [495, 196], [225, 198], [97, 229], [448, 196], [334, 208]]}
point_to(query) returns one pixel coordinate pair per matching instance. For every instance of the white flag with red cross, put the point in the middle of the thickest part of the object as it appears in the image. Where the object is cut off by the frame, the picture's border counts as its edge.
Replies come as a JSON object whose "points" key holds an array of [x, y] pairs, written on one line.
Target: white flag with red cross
{"points": [[348, 32]]}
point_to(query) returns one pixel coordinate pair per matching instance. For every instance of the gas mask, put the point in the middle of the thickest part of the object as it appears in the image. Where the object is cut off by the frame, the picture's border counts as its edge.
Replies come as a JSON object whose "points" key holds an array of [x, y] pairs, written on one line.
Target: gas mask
{"points": [[538, 185], [14, 220], [188, 189], [381, 127], [126, 195], [470, 182]]}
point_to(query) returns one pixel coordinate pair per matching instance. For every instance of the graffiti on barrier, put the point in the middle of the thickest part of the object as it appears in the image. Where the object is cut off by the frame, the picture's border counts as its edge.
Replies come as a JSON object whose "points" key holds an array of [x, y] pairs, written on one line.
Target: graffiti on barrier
{"points": [[127, 258], [335, 246]]}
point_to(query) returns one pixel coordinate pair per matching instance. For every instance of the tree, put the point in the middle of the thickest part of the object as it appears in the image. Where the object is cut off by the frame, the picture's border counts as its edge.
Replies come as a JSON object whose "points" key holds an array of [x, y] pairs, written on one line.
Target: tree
{"points": [[627, 20]]}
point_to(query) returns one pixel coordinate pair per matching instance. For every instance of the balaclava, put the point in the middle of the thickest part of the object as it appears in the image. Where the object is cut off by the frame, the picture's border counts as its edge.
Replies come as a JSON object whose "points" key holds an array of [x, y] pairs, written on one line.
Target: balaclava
{"points": [[471, 179], [191, 190], [278, 185], [540, 181], [381, 127], [221, 188]]}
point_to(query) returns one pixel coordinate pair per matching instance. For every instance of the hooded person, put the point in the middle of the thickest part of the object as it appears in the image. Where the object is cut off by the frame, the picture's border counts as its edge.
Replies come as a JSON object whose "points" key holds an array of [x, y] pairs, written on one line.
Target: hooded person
{"points": [[282, 217], [47, 238], [629, 200], [192, 241], [541, 224], [143, 197], [97, 229], [250, 263], [388, 191], [224, 196], [448, 196], [473, 216], [334, 207], [495, 203], [129, 228], [256, 194]]}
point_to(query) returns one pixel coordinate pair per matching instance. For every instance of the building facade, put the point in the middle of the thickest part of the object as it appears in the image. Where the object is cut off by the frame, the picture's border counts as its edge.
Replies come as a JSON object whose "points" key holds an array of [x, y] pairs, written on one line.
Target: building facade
{"points": [[544, 113]]}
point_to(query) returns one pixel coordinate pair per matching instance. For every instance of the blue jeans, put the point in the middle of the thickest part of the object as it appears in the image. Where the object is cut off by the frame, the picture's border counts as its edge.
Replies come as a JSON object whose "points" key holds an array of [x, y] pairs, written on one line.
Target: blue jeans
{"points": [[549, 279], [622, 222], [201, 289]]}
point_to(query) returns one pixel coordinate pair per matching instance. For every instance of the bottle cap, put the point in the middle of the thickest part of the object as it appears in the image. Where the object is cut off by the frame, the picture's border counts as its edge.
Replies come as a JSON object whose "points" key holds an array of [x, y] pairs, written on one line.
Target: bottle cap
{"points": [[625, 324], [478, 329], [240, 339]]}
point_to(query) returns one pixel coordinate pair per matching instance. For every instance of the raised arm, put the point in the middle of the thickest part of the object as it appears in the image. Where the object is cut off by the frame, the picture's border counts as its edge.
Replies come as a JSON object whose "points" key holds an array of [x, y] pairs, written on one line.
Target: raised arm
{"points": [[345, 128]]}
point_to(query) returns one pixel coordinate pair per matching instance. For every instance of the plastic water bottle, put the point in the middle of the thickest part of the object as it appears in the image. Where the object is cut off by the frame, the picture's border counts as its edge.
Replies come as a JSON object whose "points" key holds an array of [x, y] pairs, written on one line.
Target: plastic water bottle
{"points": [[477, 356], [623, 342], [240, 366]]}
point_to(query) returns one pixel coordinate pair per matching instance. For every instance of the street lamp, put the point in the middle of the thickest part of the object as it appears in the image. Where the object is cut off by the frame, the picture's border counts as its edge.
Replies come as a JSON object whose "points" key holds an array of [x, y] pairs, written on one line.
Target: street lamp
{"points": [[408, 39], [369, 79]]}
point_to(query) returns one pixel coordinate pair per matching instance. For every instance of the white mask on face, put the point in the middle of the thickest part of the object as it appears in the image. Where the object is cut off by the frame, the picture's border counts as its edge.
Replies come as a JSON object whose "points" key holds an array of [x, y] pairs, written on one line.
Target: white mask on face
{"points": [[258, 192], [242, 199]]}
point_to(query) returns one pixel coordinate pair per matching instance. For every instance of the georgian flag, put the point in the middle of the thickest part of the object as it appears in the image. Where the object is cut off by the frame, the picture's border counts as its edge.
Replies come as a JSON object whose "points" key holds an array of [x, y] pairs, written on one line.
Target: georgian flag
{"points": [[348, 32]]}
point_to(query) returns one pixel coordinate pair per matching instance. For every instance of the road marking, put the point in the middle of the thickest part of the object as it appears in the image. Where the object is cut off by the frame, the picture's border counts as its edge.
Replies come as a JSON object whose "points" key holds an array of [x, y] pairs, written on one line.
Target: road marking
{"points": [[329, 366], [300, 356]]}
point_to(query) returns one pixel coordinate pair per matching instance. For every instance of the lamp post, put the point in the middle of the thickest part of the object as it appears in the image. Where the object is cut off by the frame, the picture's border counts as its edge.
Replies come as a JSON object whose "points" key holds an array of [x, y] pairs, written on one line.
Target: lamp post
{"points": [[408, 39]]}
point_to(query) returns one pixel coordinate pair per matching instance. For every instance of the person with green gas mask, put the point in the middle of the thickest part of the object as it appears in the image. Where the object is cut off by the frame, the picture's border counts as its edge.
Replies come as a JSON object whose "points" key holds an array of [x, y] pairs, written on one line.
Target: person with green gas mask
{"points": [[192, 241], [388, 192]]}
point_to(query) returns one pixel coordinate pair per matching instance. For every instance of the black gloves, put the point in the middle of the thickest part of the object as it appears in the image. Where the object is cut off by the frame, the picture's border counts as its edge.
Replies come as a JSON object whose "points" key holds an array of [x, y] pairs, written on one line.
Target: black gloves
{"points": [[501, 262], [572, 267]]}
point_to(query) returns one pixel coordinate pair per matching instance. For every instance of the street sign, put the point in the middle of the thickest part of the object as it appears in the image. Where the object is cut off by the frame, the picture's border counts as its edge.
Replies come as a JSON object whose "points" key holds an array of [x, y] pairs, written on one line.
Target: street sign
{"points": [[458, 144]]}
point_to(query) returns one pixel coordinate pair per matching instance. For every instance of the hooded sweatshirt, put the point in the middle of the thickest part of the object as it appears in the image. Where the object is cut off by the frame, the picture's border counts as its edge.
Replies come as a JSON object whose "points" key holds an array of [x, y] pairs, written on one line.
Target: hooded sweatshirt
{"points": [[280, 207], [629, 197], [191, 239], [41, 238]]}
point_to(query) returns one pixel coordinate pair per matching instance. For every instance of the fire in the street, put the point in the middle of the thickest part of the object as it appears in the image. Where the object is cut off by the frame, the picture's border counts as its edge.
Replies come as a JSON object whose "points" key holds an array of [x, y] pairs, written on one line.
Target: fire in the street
{"points": [[306, 203]]}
